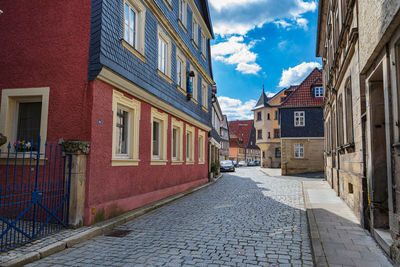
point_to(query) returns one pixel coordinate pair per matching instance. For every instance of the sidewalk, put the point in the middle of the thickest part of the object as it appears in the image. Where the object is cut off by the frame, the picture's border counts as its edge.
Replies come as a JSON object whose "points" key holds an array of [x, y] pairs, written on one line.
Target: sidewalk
{"points": [[337, 237]]}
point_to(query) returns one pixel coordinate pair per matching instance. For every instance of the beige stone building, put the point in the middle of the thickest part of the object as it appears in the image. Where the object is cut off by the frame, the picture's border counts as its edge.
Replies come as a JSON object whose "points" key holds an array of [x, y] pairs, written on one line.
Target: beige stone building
{"points": [[267, 128], [359, 42]]}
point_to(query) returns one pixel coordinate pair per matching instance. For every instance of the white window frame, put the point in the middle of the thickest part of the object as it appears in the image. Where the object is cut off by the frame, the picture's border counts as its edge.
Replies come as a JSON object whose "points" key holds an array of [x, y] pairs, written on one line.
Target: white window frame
{"points": [[202, 146], [162, 119], [318, 91], [132, 106], [204, 94], [195, 32], [194, 84], [183, 13], [176, 124], [189, 149], [299, 119], [299, 151], [203, 44], [137, 48], [164, 55], [130, 31], [182, 59], [10, 98]]}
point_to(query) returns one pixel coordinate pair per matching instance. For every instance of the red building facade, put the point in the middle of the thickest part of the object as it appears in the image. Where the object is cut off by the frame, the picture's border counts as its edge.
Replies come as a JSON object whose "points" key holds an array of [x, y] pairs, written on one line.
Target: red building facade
{"points": [[148, 139]]}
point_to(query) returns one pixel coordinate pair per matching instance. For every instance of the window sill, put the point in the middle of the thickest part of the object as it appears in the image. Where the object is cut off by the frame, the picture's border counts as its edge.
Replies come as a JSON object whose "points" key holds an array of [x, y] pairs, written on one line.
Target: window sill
{"points": [[194, 44], [115, 162], [181, 90], [203, 56], [204, 108], [133, 51], [298, 159], [194, 100], [158, 162], [168, 5], [189, 162], [201, 162], [165, 77], [183, 26], [177, 162], [21, 159]]}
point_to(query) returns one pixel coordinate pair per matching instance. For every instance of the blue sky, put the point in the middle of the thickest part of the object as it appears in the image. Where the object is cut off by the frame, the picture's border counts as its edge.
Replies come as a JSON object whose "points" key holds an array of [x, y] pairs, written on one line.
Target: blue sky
{"points": [[270, 42]]}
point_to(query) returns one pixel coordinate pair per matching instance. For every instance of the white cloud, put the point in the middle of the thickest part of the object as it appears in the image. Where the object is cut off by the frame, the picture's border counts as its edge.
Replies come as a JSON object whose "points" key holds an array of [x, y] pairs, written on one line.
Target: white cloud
{"points": [[235, 52], [269, 95], [282, 45], [235, 109], [282, 23], [302, 23], [295, 75], [241, 16]]}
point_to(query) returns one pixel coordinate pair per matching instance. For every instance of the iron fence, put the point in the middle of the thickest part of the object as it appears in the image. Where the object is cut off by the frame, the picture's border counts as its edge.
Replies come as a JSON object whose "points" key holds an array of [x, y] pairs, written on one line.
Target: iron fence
{"points": [[34, 192]]}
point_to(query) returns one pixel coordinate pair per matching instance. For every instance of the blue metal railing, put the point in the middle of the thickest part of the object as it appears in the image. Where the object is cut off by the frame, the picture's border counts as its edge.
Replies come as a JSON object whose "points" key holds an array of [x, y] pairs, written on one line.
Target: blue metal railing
{"points": [[34, 192]]}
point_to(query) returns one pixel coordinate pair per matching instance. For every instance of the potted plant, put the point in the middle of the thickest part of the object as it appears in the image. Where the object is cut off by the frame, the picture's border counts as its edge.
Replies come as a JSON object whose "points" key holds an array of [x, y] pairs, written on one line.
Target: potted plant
{"points": [[22, 146]]}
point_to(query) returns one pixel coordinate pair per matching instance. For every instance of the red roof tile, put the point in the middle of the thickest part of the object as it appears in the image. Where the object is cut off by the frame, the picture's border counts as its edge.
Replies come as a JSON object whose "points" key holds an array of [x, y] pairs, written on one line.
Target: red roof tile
{"points": [[302, 96], [239, 133]]}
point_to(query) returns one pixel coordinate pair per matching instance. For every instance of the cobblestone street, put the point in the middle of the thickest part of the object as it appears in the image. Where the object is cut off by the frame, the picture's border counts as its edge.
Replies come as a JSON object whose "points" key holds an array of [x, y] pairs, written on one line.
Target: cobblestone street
{"points": [[245, 219]]}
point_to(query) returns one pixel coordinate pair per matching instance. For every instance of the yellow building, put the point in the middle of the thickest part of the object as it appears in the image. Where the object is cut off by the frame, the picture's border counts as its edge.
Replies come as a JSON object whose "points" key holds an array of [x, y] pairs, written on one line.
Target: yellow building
{"points": [[266, 123]]}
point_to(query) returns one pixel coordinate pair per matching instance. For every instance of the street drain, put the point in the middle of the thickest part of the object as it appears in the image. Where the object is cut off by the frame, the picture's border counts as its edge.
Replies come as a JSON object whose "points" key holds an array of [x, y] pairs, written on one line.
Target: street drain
{"points": [[118, 233]]}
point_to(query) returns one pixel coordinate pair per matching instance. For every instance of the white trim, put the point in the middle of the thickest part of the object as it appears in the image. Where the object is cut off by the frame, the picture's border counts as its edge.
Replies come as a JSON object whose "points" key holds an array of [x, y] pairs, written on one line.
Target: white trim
{"points": [[302, 138]]}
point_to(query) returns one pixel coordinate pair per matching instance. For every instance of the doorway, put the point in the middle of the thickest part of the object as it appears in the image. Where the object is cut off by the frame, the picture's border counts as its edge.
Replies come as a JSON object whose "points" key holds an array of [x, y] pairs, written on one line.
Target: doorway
{"points": [[377, 165]]}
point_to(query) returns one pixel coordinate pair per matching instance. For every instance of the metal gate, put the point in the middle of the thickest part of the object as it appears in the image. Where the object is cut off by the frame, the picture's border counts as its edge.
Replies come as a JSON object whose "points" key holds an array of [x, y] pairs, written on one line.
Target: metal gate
{"points": [[34, 192]]}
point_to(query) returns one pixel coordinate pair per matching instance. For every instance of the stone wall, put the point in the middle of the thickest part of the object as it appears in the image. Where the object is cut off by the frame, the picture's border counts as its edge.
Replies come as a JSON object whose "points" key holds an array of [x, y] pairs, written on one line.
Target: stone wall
{"points": [[313, 160]]}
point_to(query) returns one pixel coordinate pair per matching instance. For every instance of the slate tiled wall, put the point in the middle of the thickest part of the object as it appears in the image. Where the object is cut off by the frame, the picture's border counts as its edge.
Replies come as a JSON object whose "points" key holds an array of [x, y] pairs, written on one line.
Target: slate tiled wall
{"points": [[314, 126], [106, 49]]}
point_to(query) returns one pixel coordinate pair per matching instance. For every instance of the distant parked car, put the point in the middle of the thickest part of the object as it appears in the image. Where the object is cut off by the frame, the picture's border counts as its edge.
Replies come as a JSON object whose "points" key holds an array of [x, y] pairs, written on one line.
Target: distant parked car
{"points": [[257, 163], [227, 166], [251, 163], [242, 163]]}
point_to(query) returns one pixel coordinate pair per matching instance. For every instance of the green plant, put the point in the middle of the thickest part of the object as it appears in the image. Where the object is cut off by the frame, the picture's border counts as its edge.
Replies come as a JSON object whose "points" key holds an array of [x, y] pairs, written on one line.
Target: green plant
{"points": [[214, 167]]}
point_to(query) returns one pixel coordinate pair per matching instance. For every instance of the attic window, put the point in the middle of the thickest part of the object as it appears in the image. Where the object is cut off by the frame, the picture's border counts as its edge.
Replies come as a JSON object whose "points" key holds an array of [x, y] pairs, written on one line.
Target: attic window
{"points": [[318, 92]]}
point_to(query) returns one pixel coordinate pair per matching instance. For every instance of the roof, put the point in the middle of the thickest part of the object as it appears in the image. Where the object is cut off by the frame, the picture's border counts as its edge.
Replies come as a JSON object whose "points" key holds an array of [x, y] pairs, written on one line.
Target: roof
{"points": [[262, 101], [239, 133], [303, 95]]}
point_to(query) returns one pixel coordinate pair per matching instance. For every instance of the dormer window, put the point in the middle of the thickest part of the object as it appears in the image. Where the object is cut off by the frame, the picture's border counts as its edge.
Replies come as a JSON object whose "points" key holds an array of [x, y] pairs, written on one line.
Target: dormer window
{"points": [[318, 92]]}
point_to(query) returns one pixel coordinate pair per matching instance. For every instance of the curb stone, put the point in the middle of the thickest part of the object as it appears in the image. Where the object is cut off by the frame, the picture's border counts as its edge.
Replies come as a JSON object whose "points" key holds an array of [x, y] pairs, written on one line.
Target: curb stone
{"points": [[319, 256], [100, 228]]}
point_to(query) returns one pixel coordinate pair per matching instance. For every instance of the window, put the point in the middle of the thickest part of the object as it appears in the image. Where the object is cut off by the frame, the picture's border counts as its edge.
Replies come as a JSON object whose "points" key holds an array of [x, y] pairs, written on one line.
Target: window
{"points": [[126, 117], [24, 115], [276, 133], [259, 134], [282, 99], [203, 45], [189, 144], [299, 119], [122, 132], [164, 55], [263, 154], [159, 127], [194, 81], [259, 116], [177, 141], [204, 94], [181, 71], [269, 135], [278, 152], [349, 113], [299, 151], [195, 32], [134, 22], [182, 12], [276, 115], [318, 92], [340, 121], [28, 124], [268, 116], [202, 138]]}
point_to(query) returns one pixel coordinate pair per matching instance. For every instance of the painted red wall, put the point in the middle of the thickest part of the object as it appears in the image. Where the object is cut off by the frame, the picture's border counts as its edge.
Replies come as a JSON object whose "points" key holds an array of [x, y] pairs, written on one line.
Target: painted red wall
{"points": [[118, 189], [46, 44]]}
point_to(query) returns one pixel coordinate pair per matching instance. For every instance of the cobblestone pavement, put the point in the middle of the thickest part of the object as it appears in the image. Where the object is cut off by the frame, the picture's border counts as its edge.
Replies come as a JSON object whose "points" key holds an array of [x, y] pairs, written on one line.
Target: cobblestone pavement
{"points": [[246, 219]]}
